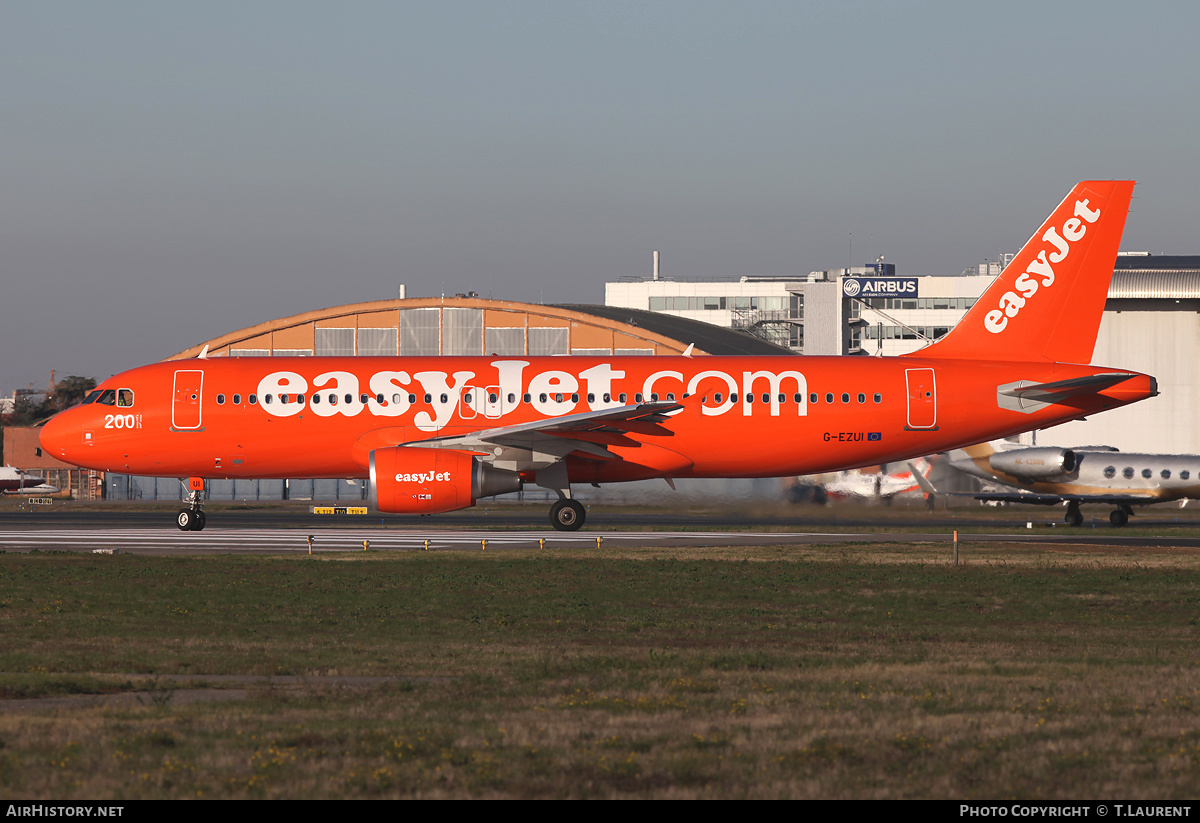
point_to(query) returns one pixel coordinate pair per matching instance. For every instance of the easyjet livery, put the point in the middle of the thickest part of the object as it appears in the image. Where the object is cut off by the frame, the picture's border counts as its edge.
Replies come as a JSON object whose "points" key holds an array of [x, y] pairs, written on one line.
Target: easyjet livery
{"points": [[435, 434]]}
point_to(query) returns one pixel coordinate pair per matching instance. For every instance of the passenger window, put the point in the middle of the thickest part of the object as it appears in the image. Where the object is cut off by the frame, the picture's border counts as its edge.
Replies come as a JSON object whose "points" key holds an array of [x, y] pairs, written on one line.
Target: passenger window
{"points": [[396, 398], [845, 397], [718, 397], [444, 398], [878, 397], [525, 398], [266, 399], [253, 399], [862, 398], [575, 398], [1110, 472], [512, 398], [237, 399], [1128, 473], [412, 398], [624, 398], [542, 398], [429, 398], [467, 398], [300, 399], [1166, 474], [766, 398], [671, 396], [124, 397], [638, 397], [1147, 473], [1185, 474], [378, 399], [350, 399], [220, 400], [829, 397], [492, 398]]}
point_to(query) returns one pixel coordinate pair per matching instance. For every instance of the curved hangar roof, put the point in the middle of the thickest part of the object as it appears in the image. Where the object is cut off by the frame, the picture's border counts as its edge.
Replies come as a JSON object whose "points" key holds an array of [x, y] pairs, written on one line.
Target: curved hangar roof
{"points": [[473, 326]]}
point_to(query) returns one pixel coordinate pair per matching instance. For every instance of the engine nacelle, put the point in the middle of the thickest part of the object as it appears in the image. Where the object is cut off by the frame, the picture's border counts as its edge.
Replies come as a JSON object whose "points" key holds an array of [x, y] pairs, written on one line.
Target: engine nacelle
{"points": [[1035, 464], [415, 480]]}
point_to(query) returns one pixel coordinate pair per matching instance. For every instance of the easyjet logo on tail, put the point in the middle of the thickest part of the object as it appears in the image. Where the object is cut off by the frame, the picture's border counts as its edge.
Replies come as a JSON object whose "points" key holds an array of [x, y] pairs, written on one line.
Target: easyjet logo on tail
{"points": [[1040, 271]]}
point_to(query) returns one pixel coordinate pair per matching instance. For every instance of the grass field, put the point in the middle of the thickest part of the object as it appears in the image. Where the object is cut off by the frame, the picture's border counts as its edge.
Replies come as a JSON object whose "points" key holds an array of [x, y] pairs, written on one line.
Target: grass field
{"points": [[866, 671]]}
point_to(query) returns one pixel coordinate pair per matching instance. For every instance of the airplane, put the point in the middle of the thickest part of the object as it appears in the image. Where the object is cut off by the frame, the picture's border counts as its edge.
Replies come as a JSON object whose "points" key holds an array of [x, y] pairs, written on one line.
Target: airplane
{"points": [[436, 434], [1091, 474], [878, 485], [17, 481]]}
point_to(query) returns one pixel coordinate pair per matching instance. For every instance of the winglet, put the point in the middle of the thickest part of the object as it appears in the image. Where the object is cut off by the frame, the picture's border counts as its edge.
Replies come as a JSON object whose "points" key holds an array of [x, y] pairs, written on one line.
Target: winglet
{"points": [[1047, 304], [923, 481]]}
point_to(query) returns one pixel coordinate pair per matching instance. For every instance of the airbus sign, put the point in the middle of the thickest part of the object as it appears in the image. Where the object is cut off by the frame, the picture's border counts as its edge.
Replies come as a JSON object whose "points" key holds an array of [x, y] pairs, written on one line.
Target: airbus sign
{"points": [[864, 287]]}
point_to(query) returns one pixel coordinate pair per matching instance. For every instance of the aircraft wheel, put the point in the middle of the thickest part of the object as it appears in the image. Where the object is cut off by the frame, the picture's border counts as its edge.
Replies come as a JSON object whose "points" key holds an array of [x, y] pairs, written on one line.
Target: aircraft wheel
{"points": [[1118, 518], [186, 520], [1074, 519], [199, 521], [567, 515]]}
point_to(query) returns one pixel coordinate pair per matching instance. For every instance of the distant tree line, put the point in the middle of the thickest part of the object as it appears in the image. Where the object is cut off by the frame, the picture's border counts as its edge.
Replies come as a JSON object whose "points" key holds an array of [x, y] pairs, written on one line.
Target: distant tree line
{"points": [[31, 408]]}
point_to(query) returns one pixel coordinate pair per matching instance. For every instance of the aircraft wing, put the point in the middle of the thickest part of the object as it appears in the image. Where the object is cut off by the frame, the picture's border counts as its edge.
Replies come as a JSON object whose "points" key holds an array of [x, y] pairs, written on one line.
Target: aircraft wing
{"points": [[1038, 499], [591, 432]]}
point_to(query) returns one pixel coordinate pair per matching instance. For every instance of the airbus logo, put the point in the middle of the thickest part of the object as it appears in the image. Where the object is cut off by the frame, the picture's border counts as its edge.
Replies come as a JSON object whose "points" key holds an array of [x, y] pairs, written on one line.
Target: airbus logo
{"points": [[1011, 303], [879, 287]]}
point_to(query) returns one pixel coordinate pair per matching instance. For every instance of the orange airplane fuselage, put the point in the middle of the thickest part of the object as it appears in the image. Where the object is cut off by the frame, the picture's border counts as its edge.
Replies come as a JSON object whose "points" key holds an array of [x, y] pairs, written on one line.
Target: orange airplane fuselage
{"points": [[740, 416]]}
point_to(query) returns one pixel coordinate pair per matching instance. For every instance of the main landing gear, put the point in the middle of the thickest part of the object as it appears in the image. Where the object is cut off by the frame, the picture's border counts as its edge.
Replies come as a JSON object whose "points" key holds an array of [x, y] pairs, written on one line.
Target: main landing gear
{"points": [[567, 514], [1120, 516], [1074, 516], [191, 519]]}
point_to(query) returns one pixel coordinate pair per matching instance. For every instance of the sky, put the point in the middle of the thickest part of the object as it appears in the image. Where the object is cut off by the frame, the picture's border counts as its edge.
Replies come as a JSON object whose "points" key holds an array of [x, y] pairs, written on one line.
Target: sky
{"points": [[170, 172]]}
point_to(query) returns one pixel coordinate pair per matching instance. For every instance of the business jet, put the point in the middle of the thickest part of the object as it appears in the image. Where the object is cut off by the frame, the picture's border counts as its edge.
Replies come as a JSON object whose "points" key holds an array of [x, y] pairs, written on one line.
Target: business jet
{"points": [[17, 481], [1094, 474], [436, 434]]}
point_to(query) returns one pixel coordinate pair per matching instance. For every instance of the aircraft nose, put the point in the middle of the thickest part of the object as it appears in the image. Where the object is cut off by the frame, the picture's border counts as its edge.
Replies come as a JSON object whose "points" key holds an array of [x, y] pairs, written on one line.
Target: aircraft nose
{"points": [[56, 437]]}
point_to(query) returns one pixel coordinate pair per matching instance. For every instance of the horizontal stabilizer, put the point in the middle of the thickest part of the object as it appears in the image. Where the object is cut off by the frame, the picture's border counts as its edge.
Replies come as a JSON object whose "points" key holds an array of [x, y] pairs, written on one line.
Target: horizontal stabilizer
{"points": [[1062, 389]]}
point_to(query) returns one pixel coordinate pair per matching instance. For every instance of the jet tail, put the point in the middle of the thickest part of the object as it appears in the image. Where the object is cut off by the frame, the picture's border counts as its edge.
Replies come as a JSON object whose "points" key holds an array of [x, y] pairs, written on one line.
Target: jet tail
{"points": [[1047, 303]]}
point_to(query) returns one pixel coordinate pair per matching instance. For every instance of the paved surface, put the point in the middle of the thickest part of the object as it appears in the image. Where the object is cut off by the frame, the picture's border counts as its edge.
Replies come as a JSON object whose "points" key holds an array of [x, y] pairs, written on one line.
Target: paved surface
{"points": [[278, 541]]}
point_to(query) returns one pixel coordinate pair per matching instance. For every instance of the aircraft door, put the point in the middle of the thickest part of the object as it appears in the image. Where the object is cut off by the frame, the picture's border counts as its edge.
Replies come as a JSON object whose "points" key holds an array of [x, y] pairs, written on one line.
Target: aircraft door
{"points": [[185, 407], [922, 398]]}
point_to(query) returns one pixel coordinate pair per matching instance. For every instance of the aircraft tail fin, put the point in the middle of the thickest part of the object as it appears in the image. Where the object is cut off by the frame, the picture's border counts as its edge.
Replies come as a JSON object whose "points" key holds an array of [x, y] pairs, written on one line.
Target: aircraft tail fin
{"points": [[1047, 303]]}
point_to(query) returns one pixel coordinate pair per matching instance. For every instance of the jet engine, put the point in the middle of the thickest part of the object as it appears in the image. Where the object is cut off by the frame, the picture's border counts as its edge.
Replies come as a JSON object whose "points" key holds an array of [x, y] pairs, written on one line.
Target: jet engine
{"points": [[1035, 464], [414, 480]]}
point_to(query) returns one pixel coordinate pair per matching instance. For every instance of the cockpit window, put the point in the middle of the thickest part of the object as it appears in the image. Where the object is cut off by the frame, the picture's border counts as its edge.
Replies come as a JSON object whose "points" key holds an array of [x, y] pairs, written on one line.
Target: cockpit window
{"points": [[91, 398], [124, 397], [108, 397]]}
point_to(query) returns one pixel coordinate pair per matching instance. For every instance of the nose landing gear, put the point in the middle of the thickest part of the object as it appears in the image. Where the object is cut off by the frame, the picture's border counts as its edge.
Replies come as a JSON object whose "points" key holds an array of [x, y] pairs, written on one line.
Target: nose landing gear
{"points": [[192, 518]]}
